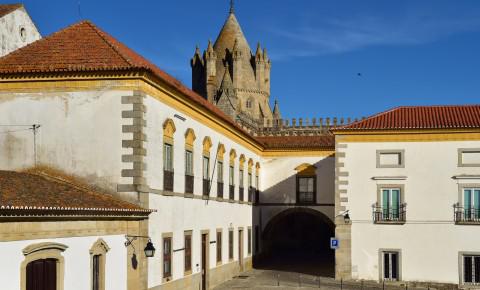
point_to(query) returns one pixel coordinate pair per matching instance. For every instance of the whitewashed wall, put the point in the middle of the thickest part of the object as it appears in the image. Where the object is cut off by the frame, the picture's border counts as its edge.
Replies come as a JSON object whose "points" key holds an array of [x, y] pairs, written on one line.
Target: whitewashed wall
{"points": [[80, 133], [10, 31], [429, 241], [77, 262], [178, 214]]}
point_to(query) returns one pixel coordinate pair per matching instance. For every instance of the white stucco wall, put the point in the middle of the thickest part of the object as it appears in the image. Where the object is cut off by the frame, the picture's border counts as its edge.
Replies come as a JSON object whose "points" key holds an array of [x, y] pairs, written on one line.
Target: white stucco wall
{"points": [[80, 133], [178, 214], [77, 262], [10, 31], [429, 241]]}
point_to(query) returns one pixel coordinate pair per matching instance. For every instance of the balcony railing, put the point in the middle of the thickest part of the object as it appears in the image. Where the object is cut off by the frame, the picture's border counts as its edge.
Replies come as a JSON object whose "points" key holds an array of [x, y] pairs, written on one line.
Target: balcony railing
{"points": [[206, 187], [231, 192], [389, 214], [189, 184], [466, 214], [251, 193], [240, 193], [220, 189], [168, 180]]}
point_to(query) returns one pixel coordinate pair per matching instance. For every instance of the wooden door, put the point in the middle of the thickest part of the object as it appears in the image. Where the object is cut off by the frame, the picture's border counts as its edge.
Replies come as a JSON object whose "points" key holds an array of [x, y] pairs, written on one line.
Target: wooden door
{"points": [[204, 261], [42, 275], [240, 249]]}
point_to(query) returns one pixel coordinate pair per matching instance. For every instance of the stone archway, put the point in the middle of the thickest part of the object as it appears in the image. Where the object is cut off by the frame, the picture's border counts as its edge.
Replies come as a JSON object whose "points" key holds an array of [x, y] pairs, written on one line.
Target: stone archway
{"points": [[297, 240]]}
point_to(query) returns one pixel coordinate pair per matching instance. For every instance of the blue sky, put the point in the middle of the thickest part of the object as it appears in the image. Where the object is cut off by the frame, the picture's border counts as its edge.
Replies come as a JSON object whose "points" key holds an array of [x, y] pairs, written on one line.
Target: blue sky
{"points": [[410, 52]]}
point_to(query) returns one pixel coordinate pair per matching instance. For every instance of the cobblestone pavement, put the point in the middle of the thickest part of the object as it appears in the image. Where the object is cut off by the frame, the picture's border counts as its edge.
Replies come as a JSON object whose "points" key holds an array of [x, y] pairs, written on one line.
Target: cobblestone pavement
{"points": [[281, 280]]}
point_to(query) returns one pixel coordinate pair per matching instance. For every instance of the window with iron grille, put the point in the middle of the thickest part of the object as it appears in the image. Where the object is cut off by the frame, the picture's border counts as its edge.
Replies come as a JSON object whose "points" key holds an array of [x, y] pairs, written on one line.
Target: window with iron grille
{"points": [[188, 162], [188, 252], [167, 257], [471, 269], [206, 178], [220, 179], [249, 242], [306, 189], [471, 204], [219, 246], [230, 244], [167, 157], [390, 265]]}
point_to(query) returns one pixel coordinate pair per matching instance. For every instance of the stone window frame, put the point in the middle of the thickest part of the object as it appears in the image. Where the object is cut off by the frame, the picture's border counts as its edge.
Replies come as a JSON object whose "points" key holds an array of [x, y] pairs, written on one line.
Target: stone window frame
{"points": [[380, 262], [391, 151], [39, 251], [169, 236], [249, 241], [305, 170], [460, 151], [185, 234], [100, 247], [219, 261], [460, 266], [378, 203], [189, 146], [231, 244]]}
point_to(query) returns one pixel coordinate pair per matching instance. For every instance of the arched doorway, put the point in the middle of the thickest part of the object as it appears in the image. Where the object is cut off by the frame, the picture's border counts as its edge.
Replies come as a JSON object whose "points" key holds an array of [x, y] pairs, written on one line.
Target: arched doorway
{"points": [[297, 240]]}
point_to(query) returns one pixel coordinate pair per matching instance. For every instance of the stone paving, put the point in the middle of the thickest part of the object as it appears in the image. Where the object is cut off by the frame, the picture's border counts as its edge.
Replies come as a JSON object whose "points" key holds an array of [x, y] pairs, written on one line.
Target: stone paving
{"points": [[276, 280]]}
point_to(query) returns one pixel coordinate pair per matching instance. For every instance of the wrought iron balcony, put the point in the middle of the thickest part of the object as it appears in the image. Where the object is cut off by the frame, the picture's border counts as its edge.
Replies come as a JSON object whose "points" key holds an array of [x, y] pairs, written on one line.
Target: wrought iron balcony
{"points": [[391, 215], [231, 192], [206, 187], [467, 215], [168, 180], [220, 189], [240, 193], [189, 181]]}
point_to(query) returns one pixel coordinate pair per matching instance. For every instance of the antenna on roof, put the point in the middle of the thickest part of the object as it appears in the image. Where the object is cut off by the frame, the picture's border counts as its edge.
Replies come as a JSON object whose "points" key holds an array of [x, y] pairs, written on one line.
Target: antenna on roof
{"points": [[79, 10], [232, 6]]}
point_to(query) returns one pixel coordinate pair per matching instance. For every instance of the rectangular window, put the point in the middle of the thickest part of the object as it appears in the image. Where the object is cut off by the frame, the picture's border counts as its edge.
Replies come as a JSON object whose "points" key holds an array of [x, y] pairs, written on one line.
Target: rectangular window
{"points": [[219, 246], [230, 244], [471, 269], [220, 171], [249, 242], [167, 257], [256, 182], [249, 180], [390, 158], [469, 157], [188, 252], [240, 179], [188, 162], [96, 272], [231, 176], [390, 203], [306, 189], [390, 266], [167, 157], [206, 167], [471, 204]]}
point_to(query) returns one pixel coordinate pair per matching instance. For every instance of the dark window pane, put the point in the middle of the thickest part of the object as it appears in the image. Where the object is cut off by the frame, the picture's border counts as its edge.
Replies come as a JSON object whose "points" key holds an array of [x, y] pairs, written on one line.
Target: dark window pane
{"points": [[477, 269], [467, 270], [394, 266], [386, 266]]}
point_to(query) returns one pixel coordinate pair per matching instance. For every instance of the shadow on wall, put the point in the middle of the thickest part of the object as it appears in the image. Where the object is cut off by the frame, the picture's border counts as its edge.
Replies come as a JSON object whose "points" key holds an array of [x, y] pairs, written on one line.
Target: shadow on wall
{"points": [[295, 238]]}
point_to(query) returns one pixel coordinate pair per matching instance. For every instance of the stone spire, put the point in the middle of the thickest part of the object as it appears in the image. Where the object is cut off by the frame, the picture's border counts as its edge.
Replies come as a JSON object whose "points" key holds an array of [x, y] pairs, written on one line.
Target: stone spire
{"points": [[276, 111]]}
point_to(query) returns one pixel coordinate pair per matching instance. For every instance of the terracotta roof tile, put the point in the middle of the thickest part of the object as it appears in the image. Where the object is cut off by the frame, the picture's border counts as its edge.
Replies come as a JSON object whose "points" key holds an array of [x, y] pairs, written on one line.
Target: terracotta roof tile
{"points": [[84, 47], [7, 8], [33, 193], [324, 142], [420, 117]]}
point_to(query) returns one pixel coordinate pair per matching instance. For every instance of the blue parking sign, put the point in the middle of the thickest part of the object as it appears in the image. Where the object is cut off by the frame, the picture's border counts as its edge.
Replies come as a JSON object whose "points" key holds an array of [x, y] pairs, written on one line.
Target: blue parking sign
{"points": [[334, 243]]}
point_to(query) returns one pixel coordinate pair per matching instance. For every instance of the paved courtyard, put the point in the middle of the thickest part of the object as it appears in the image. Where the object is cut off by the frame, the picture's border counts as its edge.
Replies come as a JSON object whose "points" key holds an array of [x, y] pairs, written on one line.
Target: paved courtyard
{"points": [[276, 280]]}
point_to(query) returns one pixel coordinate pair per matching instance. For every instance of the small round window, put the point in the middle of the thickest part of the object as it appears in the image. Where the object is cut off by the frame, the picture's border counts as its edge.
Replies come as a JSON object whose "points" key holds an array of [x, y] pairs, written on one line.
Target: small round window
{"points": [[23, 33]]}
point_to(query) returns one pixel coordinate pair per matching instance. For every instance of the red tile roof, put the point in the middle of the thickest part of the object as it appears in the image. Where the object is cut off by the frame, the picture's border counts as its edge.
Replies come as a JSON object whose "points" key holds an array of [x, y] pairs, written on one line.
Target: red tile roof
{"points": [[323, 142], [84, 47], [23, 193], [7, 8], [420, 117]]}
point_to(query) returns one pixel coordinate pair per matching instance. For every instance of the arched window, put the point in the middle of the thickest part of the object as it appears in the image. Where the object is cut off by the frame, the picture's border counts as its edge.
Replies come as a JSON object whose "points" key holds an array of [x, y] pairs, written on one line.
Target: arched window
{"points": [[207, 144], [43, 267], [241, 176], [98, 255], [189, 175], [220, 153], [250, 180], [168, 132], [231, 175]]}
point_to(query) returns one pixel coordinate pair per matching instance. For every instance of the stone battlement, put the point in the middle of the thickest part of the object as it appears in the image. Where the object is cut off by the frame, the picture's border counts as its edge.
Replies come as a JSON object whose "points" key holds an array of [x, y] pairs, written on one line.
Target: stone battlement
{"points": [[293, 127]]}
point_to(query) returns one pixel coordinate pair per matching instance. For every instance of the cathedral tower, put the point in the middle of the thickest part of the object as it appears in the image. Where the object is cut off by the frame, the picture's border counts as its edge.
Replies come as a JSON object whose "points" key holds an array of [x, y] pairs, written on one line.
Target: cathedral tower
{"points": [[230, 76]]}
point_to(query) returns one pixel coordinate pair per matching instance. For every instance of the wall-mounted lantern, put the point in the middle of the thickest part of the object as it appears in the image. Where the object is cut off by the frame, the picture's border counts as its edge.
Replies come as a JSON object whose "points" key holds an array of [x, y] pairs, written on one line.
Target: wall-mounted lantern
{"points": [[149, 248]]}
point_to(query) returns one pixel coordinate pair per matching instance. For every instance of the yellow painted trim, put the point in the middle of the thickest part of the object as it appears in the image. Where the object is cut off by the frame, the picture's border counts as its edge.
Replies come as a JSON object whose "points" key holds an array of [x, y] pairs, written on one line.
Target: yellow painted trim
{"points": [[207, 144], [220, 152], [242, 160], [411, 137], [306, 169], [233, 155], [189, 138], [169, 129], [295, 153], [250, 165]]}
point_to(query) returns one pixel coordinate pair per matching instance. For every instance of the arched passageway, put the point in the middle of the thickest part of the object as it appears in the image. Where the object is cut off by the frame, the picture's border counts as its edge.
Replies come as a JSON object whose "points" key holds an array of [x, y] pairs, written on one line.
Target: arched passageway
{"points": [[297, 240]]}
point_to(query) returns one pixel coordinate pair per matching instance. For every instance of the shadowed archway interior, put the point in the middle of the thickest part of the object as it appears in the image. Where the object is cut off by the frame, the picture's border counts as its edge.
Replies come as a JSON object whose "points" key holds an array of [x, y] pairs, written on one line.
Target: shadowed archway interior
{"points": [[298, 240]]}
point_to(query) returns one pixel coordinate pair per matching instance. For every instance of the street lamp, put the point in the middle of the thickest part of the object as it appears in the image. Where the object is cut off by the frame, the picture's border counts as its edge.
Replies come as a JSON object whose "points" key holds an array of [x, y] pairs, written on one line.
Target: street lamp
{"points": [[149, 248], [346, 218]]}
